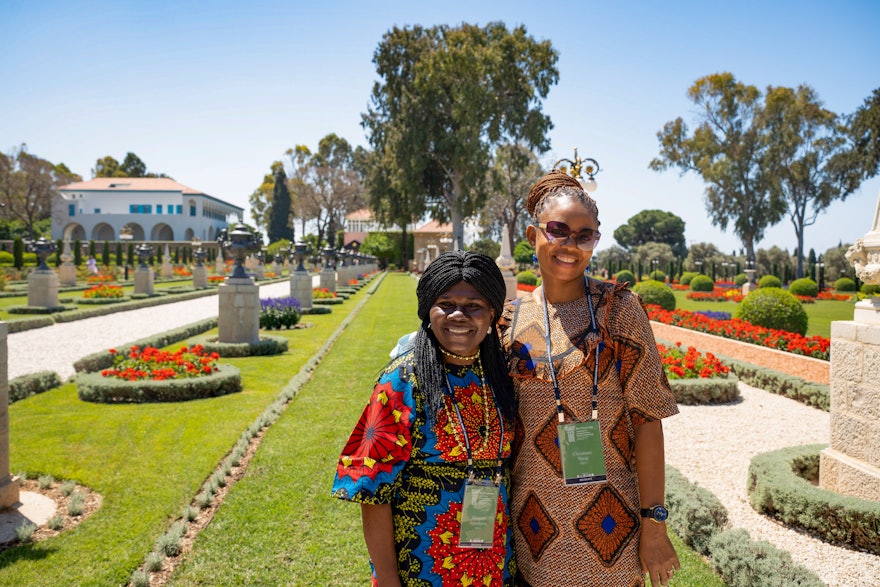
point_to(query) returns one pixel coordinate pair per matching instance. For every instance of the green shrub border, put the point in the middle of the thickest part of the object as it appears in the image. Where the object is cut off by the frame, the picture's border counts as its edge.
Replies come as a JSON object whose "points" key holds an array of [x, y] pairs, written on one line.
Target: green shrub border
{"points": [[700, 520], [267, 345], [25, 386], [93, 387], [778, 489], [102, 301], [327, 301], [703, 391]]}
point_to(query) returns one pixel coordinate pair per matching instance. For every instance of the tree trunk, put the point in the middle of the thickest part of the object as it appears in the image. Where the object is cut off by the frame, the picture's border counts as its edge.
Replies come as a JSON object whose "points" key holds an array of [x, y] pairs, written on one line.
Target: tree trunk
{"points": [[455, 214]]}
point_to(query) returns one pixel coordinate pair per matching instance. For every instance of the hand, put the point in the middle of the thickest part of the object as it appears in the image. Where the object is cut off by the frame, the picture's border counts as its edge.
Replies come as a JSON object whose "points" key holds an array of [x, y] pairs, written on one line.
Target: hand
{"points": [[657, 554]]}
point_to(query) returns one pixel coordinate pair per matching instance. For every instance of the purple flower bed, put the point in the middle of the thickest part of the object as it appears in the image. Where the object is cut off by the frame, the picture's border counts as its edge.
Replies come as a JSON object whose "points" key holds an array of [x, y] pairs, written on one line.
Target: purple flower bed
{"points": [[277, 313], [714, 315]]}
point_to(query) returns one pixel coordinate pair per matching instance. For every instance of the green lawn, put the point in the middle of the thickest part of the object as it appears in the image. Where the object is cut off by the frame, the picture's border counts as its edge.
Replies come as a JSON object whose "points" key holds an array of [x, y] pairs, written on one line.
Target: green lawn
{"points": [[147, 461], [821, 314]]}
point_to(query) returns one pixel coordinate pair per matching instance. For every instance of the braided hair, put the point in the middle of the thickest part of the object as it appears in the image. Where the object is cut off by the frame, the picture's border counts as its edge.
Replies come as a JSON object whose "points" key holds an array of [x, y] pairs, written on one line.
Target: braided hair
{"points": [[445, 271], [557, 184]]}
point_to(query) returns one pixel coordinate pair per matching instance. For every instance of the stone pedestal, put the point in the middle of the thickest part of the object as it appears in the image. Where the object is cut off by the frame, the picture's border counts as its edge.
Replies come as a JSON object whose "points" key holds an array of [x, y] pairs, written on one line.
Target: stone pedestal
{"points": [[328, 279], [9, 490], [851, 464], [239, 313], [143, 281], [167, 269], [200, 277], [220, 265], [67, 274], [43, 289], [301, 288]]}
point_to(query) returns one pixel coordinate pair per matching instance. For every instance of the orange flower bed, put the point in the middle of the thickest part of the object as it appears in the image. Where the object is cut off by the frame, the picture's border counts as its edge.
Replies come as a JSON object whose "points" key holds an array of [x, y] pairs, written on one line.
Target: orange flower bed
{"points": [[156, 365]]}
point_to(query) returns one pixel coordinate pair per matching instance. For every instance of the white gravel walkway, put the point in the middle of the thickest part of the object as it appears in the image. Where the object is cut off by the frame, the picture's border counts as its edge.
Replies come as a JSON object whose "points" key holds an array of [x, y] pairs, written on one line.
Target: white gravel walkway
{"points": [[713, 445], [57, 347]]}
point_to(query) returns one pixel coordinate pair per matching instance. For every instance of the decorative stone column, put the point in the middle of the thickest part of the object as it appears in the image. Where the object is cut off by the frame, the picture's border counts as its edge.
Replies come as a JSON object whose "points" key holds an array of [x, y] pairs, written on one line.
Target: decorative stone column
{"points": [[851, 464], [143, 276], [507, 264], [43, 282], [328, 273], [239, 312], [199, 272], [300, 280], [9, 490], [67, 270], [167, 267]]}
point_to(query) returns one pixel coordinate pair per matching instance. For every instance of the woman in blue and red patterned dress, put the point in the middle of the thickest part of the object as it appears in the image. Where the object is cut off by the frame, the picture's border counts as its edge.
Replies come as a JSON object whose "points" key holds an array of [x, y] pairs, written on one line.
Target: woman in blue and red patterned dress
{"points": [[438, 427]]}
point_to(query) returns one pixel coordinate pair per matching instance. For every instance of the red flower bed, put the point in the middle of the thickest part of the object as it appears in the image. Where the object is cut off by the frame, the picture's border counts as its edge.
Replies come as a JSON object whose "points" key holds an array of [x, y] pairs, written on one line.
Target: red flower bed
{"points": [[716, 295], [826, 295], [525, 287], [157, 365], [805, 299], [690, 364], [100, 278], [322, 293], [736, 329], [103, 291]]}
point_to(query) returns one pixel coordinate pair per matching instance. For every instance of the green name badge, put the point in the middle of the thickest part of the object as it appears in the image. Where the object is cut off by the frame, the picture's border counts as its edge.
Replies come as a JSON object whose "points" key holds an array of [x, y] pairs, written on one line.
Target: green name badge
{"points": [[580, 450], [478, 513]]}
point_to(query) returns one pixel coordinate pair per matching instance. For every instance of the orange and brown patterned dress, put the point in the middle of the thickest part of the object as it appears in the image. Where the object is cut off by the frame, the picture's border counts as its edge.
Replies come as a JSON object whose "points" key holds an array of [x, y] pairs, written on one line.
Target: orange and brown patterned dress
{"points": [[581, 534]]}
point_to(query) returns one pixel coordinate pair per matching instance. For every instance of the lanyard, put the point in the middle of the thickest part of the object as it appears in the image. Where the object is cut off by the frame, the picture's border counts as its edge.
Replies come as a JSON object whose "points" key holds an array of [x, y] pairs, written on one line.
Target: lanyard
{"points": [[467, 444], [594, 332]]}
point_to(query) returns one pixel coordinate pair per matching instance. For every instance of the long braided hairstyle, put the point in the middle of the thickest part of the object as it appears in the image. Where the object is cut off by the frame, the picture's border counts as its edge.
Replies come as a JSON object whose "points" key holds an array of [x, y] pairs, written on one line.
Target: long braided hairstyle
{"points": [[482, 273]]}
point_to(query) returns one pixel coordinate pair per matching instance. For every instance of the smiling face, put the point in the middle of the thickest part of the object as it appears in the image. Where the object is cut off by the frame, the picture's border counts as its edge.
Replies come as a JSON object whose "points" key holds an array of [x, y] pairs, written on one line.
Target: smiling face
{"points": [[562, 262], [460, 319]]}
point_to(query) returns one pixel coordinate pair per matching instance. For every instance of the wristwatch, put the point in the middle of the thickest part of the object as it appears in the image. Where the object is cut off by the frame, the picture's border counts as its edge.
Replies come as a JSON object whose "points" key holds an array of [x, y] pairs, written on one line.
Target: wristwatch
{"points": [[656, 514]]}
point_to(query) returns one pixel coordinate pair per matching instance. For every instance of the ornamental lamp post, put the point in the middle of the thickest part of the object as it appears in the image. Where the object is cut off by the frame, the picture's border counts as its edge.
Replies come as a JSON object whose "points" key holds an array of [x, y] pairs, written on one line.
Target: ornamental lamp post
{"points": [[575, 166], [126, 234]]}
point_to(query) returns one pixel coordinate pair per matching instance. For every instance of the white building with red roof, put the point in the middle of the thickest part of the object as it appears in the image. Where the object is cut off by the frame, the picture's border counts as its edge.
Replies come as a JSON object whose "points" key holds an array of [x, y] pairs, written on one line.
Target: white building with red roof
{"points": [[154, 208]]}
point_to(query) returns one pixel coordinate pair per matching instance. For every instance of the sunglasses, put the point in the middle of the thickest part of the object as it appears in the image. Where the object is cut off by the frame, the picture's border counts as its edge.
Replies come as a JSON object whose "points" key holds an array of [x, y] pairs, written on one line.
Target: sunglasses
{"points": [[586, 239]]}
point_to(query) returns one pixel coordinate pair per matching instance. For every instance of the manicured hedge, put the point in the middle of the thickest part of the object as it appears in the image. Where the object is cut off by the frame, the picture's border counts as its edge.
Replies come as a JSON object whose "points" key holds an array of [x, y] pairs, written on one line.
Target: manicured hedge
{"points": [[94, 387], [655, 292], [32, 384], [703, 391], [267, 345], [776, 490]]}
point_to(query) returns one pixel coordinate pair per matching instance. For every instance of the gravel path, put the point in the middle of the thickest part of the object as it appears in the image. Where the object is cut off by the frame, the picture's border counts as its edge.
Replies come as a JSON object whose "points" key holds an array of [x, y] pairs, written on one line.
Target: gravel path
{"points": [[710, 445], [713, 445], [57, 347]]}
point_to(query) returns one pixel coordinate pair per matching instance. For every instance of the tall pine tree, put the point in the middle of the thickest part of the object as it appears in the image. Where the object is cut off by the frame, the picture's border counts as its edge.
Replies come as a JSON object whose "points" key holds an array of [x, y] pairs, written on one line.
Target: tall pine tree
{"points": [[279, 214]]}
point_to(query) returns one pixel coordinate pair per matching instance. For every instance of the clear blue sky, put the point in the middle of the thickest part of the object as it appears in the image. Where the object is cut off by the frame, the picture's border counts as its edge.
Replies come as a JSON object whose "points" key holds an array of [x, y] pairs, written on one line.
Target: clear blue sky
{"points": [[212, 93]]}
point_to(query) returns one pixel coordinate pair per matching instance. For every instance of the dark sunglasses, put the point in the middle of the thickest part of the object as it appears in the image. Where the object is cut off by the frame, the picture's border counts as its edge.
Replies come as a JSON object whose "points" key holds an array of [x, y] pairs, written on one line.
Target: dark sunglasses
{"points": [[586, 239]]}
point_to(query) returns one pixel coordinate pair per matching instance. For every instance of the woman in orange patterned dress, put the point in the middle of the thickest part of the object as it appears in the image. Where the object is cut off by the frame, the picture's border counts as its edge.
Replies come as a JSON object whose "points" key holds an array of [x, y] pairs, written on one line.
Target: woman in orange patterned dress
{"points": [[585, 369]]}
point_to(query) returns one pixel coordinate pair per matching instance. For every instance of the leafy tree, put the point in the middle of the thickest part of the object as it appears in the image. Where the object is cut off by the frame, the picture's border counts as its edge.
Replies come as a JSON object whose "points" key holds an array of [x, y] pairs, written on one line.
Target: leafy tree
{"points": [[836, 265], [446, 95], [382, 245], [863, 130], [523, 253], [805, 140], [326, 183], [133, 166], [653, 226], [28, 185], [487, 246], [514, 170], [646, 254], [773, 261], [107, 167], [614, 255], [701, 256], [261, 199], [728, 150], [279, 211]]}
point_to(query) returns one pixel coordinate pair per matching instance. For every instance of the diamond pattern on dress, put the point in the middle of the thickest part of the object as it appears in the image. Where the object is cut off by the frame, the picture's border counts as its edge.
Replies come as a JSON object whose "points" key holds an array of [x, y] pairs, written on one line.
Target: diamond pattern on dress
{"points": [[607, 525], [547, 441], [619, 438], [536, 526]]}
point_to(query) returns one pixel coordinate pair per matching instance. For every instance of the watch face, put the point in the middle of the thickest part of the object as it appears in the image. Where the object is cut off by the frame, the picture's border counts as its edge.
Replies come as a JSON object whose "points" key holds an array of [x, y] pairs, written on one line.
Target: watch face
{"points": [[660, 513]]}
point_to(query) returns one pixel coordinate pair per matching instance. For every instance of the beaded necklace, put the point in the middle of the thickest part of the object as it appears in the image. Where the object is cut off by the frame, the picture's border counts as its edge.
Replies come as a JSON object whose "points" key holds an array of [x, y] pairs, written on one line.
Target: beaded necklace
{"points": [[459, 357], [487, 395]]}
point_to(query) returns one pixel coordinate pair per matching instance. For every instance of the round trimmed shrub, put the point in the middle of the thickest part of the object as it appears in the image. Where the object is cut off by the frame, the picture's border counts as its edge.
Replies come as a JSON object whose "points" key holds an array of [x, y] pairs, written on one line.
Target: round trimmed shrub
{"points": [[625, 276], [656, 292], [740, 279], [94, 387], [686, 277], [804, 287], [657, 275], [870, 289], [845, 284], [769, 281], [527, 277], [702, 283], [773, 307]]}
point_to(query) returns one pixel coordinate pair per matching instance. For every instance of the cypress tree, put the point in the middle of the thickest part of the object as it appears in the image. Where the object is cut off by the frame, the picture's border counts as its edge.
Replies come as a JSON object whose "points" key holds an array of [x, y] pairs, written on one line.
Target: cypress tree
{"points": [[279, 213], [77, 253], [18, 252], [105, 254]]}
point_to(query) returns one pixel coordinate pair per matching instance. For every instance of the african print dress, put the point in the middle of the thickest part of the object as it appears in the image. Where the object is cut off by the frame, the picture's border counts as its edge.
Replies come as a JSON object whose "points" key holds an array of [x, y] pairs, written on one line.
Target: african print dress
{"points": [[581, 534], [396, 456]]}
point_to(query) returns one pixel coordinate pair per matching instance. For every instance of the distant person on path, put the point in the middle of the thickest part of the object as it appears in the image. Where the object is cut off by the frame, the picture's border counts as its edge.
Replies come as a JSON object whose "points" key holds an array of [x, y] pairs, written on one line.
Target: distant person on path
{"points": [[92, 264], [588, 477], [428, 457]]}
